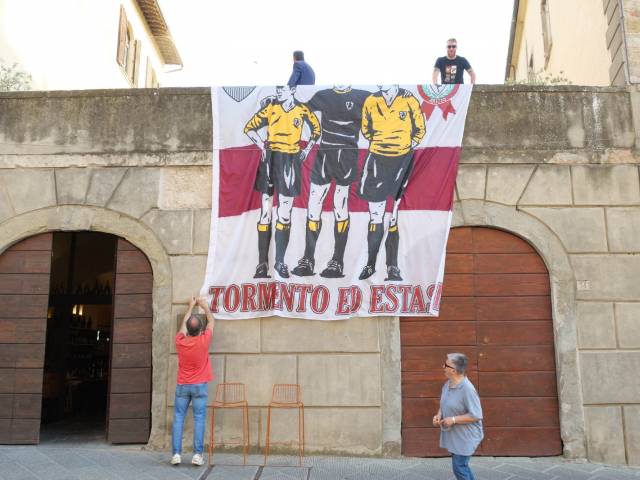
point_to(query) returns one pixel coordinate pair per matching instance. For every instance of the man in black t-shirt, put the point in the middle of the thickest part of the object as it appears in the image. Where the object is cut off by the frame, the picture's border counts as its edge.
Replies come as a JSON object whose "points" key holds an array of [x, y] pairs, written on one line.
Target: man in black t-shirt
{"points": [[340, 108], [451, 67]]}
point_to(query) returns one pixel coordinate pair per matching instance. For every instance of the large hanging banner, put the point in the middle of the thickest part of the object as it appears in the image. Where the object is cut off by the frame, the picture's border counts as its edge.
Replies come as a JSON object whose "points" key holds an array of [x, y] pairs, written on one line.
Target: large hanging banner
{"points": [[332, 202]]}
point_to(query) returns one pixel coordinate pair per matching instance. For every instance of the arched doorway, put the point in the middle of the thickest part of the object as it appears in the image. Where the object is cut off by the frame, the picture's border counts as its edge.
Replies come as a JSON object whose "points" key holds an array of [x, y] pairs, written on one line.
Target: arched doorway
{"points": [[75, 334], [496, 308]]}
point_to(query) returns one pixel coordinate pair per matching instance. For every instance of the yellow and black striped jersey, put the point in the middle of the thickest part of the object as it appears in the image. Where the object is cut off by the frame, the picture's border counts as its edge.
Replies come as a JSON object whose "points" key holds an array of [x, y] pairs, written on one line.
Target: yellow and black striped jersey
{"points": [[284, 129], [391, 129]]}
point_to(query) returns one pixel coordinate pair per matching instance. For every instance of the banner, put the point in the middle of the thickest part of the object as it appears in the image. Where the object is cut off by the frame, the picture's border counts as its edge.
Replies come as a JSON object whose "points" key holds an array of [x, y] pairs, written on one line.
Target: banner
{"points": [[332, 202]]}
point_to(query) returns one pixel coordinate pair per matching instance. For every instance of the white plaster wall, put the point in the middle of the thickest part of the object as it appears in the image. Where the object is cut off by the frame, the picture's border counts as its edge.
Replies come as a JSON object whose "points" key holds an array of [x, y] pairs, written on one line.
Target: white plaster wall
{"points": [[72, 44], [578, 29]]}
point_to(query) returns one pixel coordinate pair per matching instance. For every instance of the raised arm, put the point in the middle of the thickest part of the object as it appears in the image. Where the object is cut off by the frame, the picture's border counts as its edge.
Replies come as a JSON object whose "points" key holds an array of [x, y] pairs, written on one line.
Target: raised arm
{"points": [[183, 327], [204, 306]]}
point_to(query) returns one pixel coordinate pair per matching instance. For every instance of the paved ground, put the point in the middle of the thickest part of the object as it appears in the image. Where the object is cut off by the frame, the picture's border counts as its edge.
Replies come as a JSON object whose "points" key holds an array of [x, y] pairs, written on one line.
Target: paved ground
{"points": [[72, 461]]}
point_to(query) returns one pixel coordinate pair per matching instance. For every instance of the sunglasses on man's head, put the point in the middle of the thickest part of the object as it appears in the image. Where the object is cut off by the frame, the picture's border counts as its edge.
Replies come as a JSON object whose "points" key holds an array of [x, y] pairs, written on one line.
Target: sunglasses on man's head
{"points": [[452, 46]]}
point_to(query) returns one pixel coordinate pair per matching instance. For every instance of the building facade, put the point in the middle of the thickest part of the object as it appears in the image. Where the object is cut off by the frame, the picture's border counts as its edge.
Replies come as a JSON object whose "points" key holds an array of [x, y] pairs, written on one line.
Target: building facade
{"points": [[587, 42], [77, 45], [540, 289]]}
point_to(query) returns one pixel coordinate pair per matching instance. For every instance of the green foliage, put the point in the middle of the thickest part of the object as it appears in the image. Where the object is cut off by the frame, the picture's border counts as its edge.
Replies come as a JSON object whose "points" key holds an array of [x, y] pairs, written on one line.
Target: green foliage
{"points": [[13, 79], [540, 77]]}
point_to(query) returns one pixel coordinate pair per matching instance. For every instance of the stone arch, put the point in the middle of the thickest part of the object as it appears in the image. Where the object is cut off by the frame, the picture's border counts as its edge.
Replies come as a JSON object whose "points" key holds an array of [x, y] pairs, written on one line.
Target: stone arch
{"points": [[85, 218], [563, 301]]}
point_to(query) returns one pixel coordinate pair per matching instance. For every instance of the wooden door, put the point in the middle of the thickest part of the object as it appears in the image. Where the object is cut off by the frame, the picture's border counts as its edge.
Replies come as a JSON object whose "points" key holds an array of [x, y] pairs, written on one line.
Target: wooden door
{"points": [[496, 309], [130, 378], [24, 298]]}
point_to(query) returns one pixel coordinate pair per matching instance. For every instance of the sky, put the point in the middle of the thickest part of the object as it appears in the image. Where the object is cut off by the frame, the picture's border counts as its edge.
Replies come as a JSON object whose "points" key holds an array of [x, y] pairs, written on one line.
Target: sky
{"points": [[250, 42]]}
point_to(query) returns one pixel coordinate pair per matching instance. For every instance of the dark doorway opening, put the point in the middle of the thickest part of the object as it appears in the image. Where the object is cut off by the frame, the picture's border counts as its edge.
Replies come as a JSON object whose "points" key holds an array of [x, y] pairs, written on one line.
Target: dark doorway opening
{"points": [[78, 341]]}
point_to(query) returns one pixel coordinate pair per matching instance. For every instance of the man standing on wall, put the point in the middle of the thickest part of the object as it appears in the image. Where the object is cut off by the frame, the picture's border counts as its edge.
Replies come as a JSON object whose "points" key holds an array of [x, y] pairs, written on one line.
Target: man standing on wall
{"points": [[394, 125], [194, 374], [337, 160], [280, 167], [452, 66], [302, 73]]}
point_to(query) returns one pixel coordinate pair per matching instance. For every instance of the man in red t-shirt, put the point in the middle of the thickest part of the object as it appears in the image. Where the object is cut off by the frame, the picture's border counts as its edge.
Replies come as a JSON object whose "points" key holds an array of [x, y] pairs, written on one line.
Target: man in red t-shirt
{"points": [[194, 373]]}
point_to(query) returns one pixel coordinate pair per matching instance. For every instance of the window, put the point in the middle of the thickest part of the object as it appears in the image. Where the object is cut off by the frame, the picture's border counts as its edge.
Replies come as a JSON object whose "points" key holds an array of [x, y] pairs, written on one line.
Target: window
{"points": [[128, 56], [546, 30], [150, 81], [123, 39]]}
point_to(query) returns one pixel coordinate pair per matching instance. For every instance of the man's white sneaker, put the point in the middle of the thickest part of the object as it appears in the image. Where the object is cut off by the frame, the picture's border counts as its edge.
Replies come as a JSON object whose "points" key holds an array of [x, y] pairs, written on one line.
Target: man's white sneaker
{"points": [[197, 460], [176, 459]]}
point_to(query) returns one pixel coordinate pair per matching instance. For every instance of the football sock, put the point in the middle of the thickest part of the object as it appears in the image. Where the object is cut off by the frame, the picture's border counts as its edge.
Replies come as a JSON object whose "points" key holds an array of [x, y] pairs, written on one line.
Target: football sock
{"points": [[283, 230], [313, 231], [340, 233], [374, 239], [391, 245], [264, 238]]}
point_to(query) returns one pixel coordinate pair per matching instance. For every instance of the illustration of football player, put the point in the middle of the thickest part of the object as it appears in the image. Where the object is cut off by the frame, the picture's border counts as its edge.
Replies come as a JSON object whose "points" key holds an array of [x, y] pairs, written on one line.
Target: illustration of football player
{"points": [[336, 160], [394, 125], [280, 167]]}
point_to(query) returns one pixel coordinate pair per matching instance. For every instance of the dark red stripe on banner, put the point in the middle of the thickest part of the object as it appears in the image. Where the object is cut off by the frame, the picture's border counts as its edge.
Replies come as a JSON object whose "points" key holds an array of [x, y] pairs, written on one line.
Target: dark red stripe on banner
{"points": [[430, 186]]}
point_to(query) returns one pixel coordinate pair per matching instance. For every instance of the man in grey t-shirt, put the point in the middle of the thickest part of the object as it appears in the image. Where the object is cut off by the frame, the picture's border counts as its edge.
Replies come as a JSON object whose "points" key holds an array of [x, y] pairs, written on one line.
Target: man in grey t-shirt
{"points": [[460, 416]]}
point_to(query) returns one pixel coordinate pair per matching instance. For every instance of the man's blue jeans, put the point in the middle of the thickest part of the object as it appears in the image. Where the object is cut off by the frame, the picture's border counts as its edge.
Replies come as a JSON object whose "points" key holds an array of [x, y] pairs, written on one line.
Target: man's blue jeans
{"points": [[185, 394], [461, 468]]}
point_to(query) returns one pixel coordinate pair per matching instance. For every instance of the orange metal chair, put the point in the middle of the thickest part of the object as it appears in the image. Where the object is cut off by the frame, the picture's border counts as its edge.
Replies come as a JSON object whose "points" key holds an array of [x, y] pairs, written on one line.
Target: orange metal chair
{"points": [[230, 395], [286, 396]]}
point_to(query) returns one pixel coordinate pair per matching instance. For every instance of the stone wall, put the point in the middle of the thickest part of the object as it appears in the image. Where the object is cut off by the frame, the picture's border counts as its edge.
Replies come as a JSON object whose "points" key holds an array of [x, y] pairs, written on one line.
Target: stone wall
{"points": [[556, 166]]}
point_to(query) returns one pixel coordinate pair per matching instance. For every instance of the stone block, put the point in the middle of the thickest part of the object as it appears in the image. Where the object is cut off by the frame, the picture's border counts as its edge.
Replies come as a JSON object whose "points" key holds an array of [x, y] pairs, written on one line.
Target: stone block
{"points": [[340, 380], [549, 185], [607, 277], [596, 326], [259, 373], [579, 229], [605, 185], [29, 189], [605, 377], [296, 335], [137, 193], [103, 183], [628, 324], [505, 184], [236, 336], [188, 276], [201, 231], [217, 364], [623, 229], [632, 433], [185, 188], [6, 210], [173, 228], [605, 442], [72, 185], [458, 216], [352, 431], [470, 181], [229, 427]]}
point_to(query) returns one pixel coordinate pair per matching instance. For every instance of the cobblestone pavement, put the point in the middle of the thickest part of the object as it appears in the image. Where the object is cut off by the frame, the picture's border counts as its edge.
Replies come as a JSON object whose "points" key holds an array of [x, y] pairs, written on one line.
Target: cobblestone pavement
{"points": [[97, 462]]}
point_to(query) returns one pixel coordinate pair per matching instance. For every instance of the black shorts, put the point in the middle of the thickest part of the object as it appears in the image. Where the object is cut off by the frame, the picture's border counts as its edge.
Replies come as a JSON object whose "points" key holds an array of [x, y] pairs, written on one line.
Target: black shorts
{"points": [[279, 170], [339, 164], [384, 177]]}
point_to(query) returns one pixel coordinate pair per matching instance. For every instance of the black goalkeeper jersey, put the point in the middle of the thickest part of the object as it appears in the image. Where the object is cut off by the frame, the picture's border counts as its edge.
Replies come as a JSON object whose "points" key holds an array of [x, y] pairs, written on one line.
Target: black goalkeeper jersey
{"points": [[341, 116]]}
